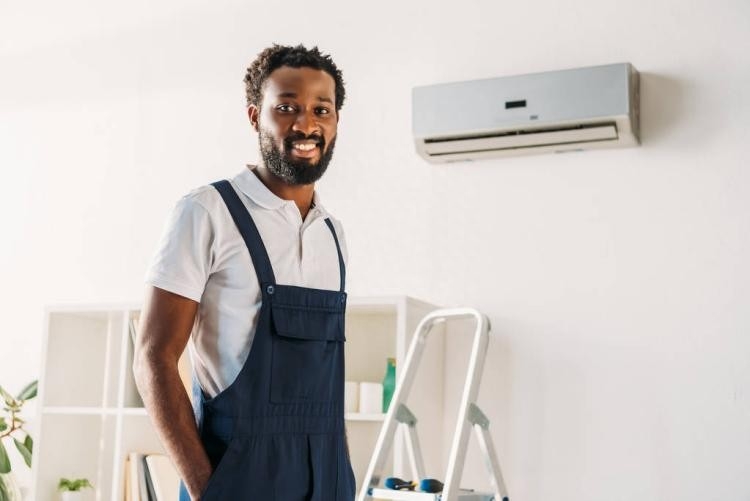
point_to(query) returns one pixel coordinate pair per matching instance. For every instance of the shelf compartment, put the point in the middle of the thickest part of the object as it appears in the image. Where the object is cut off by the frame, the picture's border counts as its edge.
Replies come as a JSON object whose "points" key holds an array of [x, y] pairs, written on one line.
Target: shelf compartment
{"points": [[371, 341], [74, 446], [137, 435], [82, 373]]}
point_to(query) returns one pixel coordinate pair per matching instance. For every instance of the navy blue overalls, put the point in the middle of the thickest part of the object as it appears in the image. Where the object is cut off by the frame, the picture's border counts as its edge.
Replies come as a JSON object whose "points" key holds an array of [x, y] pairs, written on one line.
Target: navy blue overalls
{"points": [[277, 432]]}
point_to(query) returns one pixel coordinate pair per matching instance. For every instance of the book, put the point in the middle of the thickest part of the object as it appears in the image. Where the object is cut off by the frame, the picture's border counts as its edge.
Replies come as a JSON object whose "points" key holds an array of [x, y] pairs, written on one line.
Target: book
{"points": [[134, 460], [147, 480], [128, 494], [150, 477], [164, 477]]}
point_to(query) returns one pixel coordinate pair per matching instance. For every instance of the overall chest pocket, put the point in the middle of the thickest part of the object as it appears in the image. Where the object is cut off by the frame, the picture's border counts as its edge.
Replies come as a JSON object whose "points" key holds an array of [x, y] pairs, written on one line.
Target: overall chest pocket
{"points": [[307, 360]]}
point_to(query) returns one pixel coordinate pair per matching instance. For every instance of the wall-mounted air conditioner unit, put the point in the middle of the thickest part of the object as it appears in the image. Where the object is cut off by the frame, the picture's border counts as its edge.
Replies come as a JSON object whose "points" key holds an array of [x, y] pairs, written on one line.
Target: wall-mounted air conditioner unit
{"points": [[555, 111]]}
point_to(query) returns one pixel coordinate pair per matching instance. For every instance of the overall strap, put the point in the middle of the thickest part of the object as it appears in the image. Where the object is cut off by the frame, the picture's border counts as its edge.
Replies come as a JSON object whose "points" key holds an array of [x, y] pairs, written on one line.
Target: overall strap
{"points": [[342, 268], [248, 230]]}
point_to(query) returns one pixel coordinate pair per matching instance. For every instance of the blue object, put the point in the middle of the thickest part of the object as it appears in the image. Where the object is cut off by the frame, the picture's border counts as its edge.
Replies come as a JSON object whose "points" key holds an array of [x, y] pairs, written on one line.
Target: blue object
{"points": [[430, 485], [277, 432], [395, 483]]}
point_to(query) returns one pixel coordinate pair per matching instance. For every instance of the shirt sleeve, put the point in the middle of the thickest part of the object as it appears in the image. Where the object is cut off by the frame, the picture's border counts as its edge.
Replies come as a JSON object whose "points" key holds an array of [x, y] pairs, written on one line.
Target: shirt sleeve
{"points": [[184, 255]]}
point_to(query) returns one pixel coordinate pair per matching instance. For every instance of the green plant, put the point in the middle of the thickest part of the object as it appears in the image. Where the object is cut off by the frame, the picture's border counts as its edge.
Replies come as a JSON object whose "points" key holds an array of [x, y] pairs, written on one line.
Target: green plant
{"points": [[11, 425], [73, 485]]}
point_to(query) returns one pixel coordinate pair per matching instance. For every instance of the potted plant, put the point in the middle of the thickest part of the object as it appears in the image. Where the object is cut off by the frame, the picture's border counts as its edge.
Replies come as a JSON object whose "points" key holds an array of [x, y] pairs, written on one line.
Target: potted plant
{"points": [[71, 489], [11, 429]]}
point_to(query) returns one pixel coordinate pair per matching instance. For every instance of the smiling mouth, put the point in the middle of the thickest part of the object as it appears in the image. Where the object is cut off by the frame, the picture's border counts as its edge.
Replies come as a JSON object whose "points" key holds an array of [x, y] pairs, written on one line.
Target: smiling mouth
{"points": [[304, 149]]}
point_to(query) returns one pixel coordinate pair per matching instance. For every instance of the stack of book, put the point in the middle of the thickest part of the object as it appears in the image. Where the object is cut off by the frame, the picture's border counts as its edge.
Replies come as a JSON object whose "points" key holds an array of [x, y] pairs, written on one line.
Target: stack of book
{"points": [[150, 477]]}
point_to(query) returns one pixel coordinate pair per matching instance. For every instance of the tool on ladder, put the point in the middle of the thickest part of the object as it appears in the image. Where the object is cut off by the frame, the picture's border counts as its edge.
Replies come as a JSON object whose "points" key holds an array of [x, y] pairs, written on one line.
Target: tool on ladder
{"points": [[469, 416]]}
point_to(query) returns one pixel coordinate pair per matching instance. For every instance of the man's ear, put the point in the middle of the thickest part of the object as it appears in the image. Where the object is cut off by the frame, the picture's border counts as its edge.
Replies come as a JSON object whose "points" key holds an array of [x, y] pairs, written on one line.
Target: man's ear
{"points": [[253, 113]]}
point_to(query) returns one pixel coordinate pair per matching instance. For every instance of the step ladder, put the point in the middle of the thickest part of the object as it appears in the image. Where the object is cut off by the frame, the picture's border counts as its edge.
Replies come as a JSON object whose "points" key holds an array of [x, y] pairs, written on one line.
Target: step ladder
{"points": [[469, 416]]}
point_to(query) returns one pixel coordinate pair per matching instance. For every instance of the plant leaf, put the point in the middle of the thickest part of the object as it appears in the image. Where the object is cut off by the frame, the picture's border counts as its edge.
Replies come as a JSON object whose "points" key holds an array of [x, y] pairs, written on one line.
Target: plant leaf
{"points": [[29, 443], [9, 400], [4, 459], [3, 424], [79, 484], [4, 495], [29, 392], [24, 451]]}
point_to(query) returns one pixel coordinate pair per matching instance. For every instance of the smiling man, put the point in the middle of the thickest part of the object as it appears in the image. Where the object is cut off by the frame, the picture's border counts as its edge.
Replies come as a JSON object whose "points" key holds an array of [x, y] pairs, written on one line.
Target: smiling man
{"points": [[250, 276]]}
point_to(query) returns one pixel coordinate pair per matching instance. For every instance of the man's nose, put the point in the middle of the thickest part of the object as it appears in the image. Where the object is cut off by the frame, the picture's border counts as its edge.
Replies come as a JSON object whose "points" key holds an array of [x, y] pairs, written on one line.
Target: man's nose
{"points": [[306, 123]]}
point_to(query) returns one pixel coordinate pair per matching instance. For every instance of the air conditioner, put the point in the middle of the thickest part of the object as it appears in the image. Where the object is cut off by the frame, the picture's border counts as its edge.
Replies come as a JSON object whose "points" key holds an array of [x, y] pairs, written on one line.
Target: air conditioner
{"points": [[556, 111]]}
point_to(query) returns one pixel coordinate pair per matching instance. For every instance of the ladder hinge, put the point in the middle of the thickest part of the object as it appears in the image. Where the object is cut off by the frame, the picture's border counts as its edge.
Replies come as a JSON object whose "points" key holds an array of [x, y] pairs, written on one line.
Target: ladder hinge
{"points": [[404, 415], [476, 416]]}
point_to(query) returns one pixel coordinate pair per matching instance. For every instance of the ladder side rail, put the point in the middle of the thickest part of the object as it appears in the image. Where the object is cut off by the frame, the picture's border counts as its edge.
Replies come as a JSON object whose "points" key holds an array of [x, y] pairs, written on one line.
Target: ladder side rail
{"points": [[403, 385], [378, 460], [415, 452], [490, 460], [469, 396]]}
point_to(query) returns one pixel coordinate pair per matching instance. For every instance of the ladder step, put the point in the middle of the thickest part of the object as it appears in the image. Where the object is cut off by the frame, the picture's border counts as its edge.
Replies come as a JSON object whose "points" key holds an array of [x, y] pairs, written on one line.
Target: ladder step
{"points": [[378, 494]]}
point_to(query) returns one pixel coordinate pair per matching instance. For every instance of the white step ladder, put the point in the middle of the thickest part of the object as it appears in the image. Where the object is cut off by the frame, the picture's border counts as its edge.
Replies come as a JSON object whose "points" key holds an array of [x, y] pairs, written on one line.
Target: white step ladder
{"points": [[469, 416]]}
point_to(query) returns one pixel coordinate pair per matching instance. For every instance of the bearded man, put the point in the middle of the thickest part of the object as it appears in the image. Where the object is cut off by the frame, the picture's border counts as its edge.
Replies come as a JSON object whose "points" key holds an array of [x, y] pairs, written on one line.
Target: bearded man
{"points": [[250, 276]]}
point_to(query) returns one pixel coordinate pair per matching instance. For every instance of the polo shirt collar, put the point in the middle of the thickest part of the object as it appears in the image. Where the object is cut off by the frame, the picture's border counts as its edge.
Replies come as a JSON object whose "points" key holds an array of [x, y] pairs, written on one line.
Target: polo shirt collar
{"points": [[250, 185]]}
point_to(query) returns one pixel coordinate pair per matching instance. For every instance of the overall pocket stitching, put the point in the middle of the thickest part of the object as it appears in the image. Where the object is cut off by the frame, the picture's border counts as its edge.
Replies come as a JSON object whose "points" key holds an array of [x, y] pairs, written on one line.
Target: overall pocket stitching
{"points": [[280, 375], [323, 309]]}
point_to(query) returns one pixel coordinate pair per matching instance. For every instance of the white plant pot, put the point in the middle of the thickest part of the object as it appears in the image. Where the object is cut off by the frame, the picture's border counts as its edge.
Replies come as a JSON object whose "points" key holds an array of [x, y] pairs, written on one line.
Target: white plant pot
{"points": [[74, 496]]}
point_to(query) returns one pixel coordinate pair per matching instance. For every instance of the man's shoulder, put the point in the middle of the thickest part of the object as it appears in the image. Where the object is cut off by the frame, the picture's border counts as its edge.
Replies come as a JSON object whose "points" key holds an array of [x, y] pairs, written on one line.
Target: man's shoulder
{"points": [[336, 221], [201, 198], [337, 227]]}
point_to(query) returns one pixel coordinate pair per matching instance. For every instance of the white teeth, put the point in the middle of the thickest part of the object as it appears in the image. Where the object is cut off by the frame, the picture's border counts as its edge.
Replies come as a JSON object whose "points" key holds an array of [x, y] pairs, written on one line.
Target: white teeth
{"points": [[304, 147]]}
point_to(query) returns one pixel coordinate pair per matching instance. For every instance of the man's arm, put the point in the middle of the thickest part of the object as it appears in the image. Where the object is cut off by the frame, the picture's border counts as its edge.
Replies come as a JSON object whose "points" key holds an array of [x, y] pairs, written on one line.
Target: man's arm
{"points": [[165, 326]]}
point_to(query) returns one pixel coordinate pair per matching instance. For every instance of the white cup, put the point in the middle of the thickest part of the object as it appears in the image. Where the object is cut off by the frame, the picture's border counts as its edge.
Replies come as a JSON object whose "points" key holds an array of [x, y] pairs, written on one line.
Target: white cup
{"points": [[370, 398], [351, 396]]}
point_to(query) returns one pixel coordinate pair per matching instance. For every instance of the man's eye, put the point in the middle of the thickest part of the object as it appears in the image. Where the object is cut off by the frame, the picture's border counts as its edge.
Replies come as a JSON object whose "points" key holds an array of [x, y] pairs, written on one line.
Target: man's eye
{"points": [[323, 111], [284, 107]]}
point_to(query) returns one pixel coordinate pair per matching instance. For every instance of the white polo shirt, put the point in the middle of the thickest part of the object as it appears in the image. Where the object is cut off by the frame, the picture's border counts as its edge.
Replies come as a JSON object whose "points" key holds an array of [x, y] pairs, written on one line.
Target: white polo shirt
{"points": [[202, 257]]}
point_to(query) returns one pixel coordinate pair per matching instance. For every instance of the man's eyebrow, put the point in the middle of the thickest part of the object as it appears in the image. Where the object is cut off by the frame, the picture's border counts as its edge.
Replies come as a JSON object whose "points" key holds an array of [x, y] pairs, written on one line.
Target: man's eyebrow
{"points": [[294, 95]]}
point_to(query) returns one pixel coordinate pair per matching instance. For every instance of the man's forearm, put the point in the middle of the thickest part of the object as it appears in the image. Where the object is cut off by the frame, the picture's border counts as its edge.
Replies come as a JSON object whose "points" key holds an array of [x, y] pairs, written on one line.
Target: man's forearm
{"points": [[169, 407]]}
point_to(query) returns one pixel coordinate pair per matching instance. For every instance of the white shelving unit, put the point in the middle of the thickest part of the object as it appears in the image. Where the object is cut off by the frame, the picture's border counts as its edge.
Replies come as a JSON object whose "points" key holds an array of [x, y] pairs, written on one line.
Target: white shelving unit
{"points": [[91, 416]]}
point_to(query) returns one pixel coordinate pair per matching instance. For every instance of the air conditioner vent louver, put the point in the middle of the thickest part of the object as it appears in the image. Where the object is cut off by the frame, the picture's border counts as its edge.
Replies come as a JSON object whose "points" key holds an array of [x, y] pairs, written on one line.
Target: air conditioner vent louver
{"points": [[553, 136]]}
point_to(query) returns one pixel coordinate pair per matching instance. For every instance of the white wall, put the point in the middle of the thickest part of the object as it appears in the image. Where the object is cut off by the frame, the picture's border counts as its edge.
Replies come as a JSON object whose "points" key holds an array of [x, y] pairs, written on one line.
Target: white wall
{"points": [[617, 281]]}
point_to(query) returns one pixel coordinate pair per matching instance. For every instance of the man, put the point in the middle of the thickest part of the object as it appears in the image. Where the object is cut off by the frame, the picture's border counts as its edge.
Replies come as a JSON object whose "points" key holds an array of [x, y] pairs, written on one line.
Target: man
{"points": [[255, 269]]}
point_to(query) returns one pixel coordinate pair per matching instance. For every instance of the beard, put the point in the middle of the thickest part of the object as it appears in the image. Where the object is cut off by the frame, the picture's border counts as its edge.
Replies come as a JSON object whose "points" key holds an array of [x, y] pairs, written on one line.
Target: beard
{"points": [[290, 170]]}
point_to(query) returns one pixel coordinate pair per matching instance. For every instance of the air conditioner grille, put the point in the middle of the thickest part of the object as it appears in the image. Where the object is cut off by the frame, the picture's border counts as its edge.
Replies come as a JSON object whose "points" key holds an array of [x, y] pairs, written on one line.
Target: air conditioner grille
{"points": [[518, 139], [519, 132]]}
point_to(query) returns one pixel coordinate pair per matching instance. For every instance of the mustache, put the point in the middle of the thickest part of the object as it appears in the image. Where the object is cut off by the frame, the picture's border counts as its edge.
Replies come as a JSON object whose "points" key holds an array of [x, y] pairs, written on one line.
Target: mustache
{"points": [[289, 140]]}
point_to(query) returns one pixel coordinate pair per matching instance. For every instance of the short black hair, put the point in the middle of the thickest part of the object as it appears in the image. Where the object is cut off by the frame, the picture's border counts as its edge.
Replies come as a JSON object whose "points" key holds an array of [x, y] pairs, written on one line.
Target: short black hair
{"points": [[277, 56]]}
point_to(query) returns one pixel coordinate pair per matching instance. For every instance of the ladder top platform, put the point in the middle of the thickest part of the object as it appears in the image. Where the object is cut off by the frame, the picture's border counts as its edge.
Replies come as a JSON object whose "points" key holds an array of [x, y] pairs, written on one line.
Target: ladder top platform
{"points": [[378, 493]]}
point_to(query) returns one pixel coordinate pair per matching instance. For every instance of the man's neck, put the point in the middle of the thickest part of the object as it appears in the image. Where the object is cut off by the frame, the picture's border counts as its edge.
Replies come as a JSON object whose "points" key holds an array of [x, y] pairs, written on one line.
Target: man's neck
{"points": [[302, 194]]}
